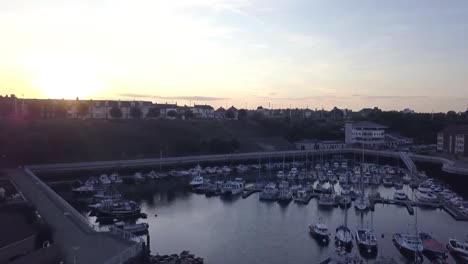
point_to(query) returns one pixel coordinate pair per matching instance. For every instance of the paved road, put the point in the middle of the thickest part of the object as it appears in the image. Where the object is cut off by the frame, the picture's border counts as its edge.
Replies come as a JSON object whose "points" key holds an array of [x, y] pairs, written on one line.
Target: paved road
{"points": [[76, 242]]}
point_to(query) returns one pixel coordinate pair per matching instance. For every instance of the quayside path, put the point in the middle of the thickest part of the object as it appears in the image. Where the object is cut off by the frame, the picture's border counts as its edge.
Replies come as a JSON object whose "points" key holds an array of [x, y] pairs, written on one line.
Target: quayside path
{"points": [[75, 236], [408, 159]]}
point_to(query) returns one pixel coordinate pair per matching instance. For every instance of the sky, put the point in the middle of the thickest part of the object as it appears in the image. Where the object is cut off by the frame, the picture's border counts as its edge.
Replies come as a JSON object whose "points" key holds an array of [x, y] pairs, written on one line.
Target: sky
{"points": [[275, 53]]}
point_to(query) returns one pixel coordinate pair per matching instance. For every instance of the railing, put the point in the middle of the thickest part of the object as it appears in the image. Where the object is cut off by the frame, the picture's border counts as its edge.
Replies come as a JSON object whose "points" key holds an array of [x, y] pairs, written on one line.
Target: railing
{"points": [[59, 201], [408, 161], [128, 253]]}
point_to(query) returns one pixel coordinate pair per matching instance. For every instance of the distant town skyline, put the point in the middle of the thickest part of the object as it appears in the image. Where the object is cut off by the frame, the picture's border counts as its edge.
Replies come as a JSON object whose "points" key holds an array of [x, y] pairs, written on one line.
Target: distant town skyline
{"points": [[246, 53]]}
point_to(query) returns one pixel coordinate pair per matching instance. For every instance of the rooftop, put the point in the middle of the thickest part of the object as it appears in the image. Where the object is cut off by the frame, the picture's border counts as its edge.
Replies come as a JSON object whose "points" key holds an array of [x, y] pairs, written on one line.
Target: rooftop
{"points": [[367, 124]]}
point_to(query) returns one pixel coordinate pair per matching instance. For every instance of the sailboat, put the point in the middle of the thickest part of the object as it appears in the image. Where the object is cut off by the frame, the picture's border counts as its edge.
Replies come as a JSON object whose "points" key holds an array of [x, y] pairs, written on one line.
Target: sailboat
{"points": [[343, 236], [362, 203], [367, 241]]}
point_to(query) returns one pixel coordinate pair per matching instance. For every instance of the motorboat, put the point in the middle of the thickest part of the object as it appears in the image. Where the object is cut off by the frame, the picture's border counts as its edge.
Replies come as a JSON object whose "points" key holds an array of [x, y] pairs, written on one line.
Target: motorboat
{"points": [[326, 200], [240, 168], [322, 177], [343, 179], [425, 195], [366, 179], [197, 181], [366, 240], [292, 173], [283, 185], [285, 196], [344, 201], [115, 178], [344, 165], [362, 203], [302, 196], [107, 195], [398, 185], [104, 179], [336, 165], [400, 195], [118, 210], [152, 175], [432, 248], [231, 188], [409, 245], [406, 179], [457, 248], [376, 179], [136, 229], [280, 175], [139, 177], [302, 175], [354, 179], [331, 176], [345, 190], [343, 237], [226, 169], [270, 192], [388, 181], [320, 231]]}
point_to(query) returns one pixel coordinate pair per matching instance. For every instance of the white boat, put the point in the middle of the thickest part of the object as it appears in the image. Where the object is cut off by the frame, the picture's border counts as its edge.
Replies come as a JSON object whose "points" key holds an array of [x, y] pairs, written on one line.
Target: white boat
{"points": [[366, 179], [425, 195], [283, 185], [301, 196], [231, 188], [344, 165], [354, 179], [345, 190], [343, 236], [270, 192], [241, 168], [458, 248], [302, 175], [104, 179], [331, 176], [398, 185], [387, 181], [226, 169], [135, 229], [280, 174], [322, 177], [197, 181], [320, 231], [400, 195], [152, 175], [376, 179], [406, 179], [139, 177]]}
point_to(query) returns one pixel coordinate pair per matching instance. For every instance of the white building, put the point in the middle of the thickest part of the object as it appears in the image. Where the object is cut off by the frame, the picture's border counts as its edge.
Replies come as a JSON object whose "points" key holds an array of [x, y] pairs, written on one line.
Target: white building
{"points": [[203, 111], [364, 133]]}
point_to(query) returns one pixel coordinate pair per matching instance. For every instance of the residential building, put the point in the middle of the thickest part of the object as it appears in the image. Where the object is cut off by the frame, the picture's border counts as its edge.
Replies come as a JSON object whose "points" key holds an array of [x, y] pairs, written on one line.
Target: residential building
{"points": [[220, 113], [203, 111], [453, 140], [364, 133], [365, 112], [234, 111]]}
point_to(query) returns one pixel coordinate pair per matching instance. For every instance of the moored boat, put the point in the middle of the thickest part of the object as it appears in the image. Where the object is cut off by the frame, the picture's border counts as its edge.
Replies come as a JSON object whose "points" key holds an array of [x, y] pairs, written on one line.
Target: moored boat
{"points": [[432, 248], [343, 237], [366, 240], [320, 231], [270, 192], [457, 248], [408, 245], [400, 195]]}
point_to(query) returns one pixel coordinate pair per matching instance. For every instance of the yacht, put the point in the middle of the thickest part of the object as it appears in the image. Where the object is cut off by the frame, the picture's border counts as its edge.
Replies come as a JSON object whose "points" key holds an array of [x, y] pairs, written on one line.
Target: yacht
{"points": [[136, 229], [331, 176], [344, 165], [425, 195], [283, 185], [322, 177], [345, 190], [400, 195], [285, 196], [115, 178], [457, 248], [343, 237], [301, 197], [336, 165], [362, 203], [313, 175], [366, 240], [354, 179], [270, 192], [118, 210], [320, 231], [292, 174], [398, 185], [226, 169], [409, 245], [376, 179], [343, 179], [104, 179], [345, 201], [197, 181], [387, 181], [139, 177], [302, 175], [326, 200], [280, 175], [231, 188], [366, 179], [406, 179], [240, 168], [432, 248]]}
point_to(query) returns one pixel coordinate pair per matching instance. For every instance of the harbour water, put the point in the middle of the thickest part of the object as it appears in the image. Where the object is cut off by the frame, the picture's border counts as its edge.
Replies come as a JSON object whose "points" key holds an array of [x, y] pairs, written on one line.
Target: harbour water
{"points": [[247, 230]]}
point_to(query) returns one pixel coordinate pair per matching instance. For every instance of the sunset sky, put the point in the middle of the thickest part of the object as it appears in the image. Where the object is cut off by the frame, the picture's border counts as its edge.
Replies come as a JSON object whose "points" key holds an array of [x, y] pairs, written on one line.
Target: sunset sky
{"points": [[352, 54]]}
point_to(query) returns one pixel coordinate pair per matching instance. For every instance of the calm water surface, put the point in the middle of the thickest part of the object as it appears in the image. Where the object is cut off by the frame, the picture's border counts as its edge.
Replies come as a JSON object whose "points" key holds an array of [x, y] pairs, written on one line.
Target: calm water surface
{"points": [[252, 231]]}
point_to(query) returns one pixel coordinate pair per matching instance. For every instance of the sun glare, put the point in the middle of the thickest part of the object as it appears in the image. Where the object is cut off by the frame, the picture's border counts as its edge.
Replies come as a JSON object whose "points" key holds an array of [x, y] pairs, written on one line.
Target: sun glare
{"points": [[66, 81]]}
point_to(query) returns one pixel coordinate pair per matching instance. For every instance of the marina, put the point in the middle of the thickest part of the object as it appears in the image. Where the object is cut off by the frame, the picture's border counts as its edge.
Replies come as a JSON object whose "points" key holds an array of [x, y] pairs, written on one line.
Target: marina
{"points": [[324, 192]]}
